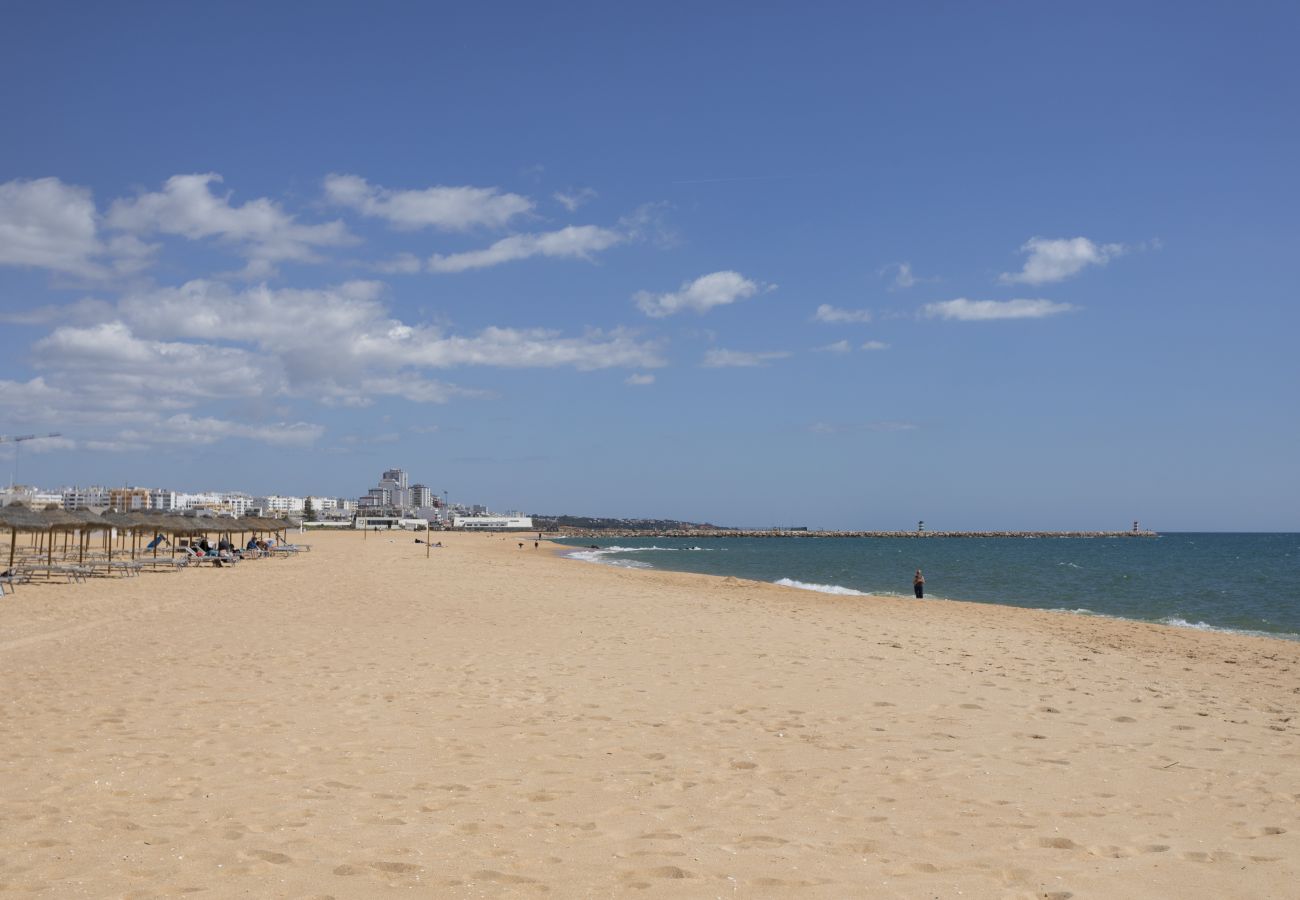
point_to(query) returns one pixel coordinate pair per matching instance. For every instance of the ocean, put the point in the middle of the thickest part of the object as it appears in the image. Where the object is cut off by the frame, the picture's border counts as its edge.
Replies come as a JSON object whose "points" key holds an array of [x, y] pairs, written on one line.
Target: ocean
{"points": [[1247, 583]]}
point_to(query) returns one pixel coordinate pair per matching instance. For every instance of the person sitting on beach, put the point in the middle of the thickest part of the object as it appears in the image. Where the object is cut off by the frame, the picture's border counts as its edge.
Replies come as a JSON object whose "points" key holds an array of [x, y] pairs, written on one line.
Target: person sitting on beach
{"points": [[206, 547], [252, 544]]}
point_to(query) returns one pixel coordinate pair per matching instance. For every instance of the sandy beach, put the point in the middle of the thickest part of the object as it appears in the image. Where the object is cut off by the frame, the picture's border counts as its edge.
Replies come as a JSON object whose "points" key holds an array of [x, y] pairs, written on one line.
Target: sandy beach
{"points": [[360, 720]]}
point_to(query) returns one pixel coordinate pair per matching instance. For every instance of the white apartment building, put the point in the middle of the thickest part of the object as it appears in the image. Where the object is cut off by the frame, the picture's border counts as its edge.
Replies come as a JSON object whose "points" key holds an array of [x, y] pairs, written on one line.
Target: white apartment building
{"points": [[33, 498], [206, 501], [160, 499], [236, 504], [275, 504], [85, 498], [215, 502], [473, 522]]}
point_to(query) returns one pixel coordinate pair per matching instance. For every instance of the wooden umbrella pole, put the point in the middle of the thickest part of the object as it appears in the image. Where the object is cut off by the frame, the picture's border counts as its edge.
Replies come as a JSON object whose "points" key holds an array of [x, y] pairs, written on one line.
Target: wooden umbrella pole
{"points": [[428, 537]]}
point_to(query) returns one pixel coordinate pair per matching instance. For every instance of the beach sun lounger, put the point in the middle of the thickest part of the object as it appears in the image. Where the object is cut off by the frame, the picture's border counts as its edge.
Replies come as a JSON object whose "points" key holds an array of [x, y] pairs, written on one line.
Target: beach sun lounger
{"points": [[73, 574]]}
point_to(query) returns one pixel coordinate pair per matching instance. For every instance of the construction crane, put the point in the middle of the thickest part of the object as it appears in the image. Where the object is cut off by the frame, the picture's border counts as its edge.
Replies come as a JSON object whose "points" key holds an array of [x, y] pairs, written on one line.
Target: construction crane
{"points": [[17, 441]]}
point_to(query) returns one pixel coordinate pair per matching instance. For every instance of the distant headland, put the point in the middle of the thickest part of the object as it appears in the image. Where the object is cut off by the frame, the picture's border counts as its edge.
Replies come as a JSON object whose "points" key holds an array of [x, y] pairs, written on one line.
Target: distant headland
{"points": [[592, 527]]}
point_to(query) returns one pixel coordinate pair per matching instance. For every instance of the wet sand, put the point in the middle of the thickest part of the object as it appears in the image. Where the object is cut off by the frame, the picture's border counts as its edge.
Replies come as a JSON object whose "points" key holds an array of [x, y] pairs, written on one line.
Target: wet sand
{"points": [[361, 720]]}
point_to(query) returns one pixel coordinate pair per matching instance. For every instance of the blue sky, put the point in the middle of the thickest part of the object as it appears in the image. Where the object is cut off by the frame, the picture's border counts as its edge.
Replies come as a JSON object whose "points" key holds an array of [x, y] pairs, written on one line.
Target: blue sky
{"points": [[843, 265]]}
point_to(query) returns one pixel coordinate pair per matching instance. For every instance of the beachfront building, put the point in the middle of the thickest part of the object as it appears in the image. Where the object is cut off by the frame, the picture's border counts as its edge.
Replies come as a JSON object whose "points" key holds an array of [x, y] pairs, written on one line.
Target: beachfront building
{"points": [[217, 503], [162, 499], [275, 505], [126, 499], [85, 498], [31, 497], [393, 495], [422, 497], [482, 522], [394, 481]]}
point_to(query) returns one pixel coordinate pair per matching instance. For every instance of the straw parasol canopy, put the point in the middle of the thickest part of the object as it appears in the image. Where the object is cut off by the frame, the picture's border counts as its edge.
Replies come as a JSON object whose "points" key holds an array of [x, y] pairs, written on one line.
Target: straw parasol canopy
{"points": [[85, 521], [18, 517]]}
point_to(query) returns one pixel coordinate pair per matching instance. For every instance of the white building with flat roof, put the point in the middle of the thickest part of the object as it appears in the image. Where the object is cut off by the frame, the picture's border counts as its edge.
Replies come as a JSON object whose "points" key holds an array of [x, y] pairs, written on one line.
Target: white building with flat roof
{"points": [[85, 498], [482, 522]]}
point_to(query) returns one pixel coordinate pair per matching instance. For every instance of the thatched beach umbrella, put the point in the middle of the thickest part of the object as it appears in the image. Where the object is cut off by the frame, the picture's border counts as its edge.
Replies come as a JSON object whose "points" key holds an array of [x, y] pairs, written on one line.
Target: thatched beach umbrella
{"points": [[17, 517], [84, 522], [125, 523], [54, 519], [158, 524]]}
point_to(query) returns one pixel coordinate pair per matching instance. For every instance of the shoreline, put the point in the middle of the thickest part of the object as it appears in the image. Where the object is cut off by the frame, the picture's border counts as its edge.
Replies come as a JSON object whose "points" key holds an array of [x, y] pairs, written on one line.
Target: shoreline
{"points": [[362, 720], [806, 533], [834, 590]]}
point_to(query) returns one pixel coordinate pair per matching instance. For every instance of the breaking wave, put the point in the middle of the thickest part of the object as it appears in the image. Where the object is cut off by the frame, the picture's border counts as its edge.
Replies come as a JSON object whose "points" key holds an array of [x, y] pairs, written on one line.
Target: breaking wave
{"points": [[820, 588]]}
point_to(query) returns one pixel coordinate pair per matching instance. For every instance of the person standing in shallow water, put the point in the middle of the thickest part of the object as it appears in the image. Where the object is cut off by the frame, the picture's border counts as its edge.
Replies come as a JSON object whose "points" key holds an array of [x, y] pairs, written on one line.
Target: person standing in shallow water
{"points": [[918, 584]]}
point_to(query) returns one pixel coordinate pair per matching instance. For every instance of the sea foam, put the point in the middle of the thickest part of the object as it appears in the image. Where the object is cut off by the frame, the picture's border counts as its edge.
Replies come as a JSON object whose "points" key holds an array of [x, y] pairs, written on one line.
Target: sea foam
{"points": [[820, 588]]}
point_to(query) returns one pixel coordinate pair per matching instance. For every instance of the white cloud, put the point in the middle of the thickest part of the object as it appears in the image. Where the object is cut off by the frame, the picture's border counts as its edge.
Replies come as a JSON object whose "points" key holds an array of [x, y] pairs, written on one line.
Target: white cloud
{"points": [[38, 402], [409, 386], [260, 229], [512, 348], [858, 427], [346, 331], [108, 359], [638, 378], [572, 199], [401, 264], [725, 359], [837, 347], [965, 310], [51, 225], [649, 222], [1057, 259], [187, 429], [573, 242], [700, 295], [875, 345], [830, 314], [115, 446], [86, 310], [48, 224], [445, 208]]}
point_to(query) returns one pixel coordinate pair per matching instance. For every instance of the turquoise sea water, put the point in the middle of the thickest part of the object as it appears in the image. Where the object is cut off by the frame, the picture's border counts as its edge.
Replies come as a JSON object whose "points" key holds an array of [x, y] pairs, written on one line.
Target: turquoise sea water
{"points": [[1230, 582]]}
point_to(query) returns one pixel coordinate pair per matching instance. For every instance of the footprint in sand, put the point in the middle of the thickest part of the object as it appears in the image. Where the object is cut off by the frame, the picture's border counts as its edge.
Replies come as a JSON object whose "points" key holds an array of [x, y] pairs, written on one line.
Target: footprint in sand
{"points": [[667, 872], [502, 877], [1057, 843], [395, 868]]}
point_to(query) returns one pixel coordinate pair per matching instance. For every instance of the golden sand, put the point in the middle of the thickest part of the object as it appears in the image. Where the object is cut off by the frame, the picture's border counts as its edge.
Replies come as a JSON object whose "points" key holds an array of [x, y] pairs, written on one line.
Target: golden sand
{"points": [[361, 721]]}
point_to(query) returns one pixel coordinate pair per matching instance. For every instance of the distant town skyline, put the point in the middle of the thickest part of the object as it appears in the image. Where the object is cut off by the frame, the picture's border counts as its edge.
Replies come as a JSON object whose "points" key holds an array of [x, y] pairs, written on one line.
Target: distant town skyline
{"points": [[847, 267]]}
